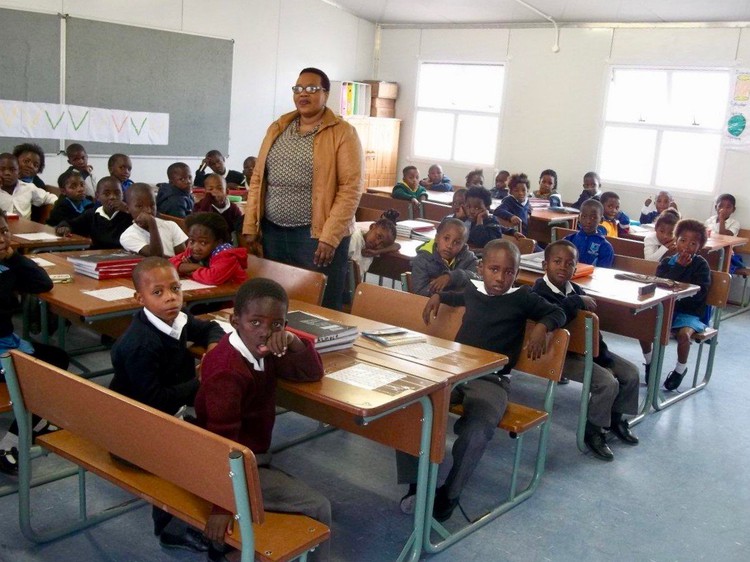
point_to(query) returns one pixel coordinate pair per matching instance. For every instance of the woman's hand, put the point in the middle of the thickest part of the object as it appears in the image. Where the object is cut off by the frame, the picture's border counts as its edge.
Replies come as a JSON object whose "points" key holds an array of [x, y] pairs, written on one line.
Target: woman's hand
{"points": [[252, 244], [431, 309], [323, 254]]}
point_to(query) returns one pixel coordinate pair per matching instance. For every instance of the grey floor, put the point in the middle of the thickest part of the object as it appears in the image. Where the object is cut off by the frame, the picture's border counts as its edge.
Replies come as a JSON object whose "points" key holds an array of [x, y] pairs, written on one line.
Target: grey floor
{"points": [[682, 494]]}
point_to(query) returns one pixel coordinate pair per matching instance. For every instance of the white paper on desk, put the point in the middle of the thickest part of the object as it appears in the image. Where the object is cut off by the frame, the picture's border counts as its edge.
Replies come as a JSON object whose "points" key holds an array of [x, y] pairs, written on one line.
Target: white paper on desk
{"points": [[111, 294], [37, 236], [421, 350], [365, 376], [41, 262], [190, 285]]}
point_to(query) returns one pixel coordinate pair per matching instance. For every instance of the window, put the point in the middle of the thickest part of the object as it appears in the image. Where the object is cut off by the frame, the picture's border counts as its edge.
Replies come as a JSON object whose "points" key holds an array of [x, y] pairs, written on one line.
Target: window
{"points": [[458, 112], [662, 127]]}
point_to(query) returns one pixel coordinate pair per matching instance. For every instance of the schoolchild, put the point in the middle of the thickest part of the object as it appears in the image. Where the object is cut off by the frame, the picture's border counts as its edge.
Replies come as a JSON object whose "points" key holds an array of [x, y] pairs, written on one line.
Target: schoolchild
{"points": [[72, 202], [475, 178], [593, 247], [516, 208], [79, 160], [591, 189], [215, 160], [120, 166], [652, 208], [458, 204], [30, 158], [16, 196], [148, 235], [248, 166], [176, 198], [379, 239], [661, 242], [484, 226], [548, 188], [436, 180], [216, 201], [614, 221], [408, 188], [723, 223], [501, 191]]}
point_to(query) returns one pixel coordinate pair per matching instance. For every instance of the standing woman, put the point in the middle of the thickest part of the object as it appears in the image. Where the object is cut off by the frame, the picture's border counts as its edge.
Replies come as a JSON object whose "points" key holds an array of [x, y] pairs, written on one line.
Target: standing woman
{"points": [[306, 187]]}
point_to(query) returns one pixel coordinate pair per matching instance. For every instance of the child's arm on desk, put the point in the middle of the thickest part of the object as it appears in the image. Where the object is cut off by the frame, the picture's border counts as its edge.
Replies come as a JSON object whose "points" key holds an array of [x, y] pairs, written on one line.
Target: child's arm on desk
{"points": [[294, 359], [446, 297], [548, 316]]}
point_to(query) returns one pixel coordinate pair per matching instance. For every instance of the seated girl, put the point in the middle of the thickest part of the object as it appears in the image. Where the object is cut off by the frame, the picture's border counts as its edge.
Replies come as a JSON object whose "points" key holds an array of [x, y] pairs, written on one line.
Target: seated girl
{"points": [[515, 208], [548, 188], [209, 257], [654, 208], [661, 242], [379, 239]]}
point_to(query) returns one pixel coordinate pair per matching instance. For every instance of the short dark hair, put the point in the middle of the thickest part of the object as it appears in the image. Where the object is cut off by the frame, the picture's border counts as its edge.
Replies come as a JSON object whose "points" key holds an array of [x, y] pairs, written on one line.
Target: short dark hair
{"points": [[478, 192], [388, 221], [435, 167], [114, 158], [453, 223], [146, 265], [593, 176], [726, 197], [407, 170], [214, 152], [324, 81], [73, 148], [592, 203], [515, 179], [259, 288], [559, 244], [140, 188], [30, 147], [500, 245], [691, 225], [506, 172], [8, 156], [105, 180], [219, 176], [214, 222], [607, 195], [549, 172], [460, 190], [668, 216], [65, 176], [475, 172], [172, 168]]}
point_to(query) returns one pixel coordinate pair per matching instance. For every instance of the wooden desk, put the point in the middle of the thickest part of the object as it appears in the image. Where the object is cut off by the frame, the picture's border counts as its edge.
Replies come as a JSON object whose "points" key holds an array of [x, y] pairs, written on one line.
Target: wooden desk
{"points": [[542, 221], [22, 226]]}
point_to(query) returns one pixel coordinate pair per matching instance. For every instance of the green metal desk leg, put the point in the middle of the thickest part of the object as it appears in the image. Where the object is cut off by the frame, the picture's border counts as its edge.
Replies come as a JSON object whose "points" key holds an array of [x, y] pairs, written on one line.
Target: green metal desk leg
{"points": [[654, 375], [243, 517], [586, 390]]}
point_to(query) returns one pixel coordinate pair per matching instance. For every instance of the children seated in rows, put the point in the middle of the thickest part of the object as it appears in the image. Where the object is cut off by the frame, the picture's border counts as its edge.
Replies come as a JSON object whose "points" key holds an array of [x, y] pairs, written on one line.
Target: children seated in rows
{"points": [[237, 399], [148, 235], [30, 158], [495, 319], [614, 221], [614, 381], [120, 166], [215, 160], [652, 208], [516, 208], [661, 242], [593, 248], [176, 198], [408, 188], [444, 263], [153, 365], [216, 201], [72, 201], [591, 189], [548, 188], [690, 313], [79, 160], [105, 223], [379, 239], [436, 180], [484, 226], [16, 196], [500, 191], [475, 178], [248, 166], [210, 257]]}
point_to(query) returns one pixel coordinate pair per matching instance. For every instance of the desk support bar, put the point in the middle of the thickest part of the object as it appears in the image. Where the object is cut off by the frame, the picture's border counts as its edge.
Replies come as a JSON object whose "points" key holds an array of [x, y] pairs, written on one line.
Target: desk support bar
{"points": [[655, 374], [588, 373]]}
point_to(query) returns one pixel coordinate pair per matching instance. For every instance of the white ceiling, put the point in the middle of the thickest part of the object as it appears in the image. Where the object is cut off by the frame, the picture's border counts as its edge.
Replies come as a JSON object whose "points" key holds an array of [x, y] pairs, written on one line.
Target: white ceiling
{"points": [[564, 11]]}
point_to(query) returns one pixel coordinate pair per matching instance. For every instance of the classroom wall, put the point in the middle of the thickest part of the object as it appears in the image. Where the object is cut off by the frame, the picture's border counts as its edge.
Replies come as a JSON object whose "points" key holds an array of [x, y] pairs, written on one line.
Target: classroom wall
{"points": [[274, 39], [554, 102]]}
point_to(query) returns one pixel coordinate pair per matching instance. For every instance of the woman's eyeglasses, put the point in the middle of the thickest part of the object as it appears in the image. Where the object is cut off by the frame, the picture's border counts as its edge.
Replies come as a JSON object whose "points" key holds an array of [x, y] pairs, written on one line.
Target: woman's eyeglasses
{"points": [[307, 89]]}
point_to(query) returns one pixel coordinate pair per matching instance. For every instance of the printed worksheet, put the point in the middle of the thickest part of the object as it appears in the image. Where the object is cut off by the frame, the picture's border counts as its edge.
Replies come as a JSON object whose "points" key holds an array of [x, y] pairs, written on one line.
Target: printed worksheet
{"points": [[41, 262], [190, 285], [111, 294], [365, 376], [37, 236], [421, 350]]}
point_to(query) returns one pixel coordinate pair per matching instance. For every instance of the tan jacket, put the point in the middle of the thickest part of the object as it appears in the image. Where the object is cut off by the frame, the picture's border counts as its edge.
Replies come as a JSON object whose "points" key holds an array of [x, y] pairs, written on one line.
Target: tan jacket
{"points": [[338, 168]]}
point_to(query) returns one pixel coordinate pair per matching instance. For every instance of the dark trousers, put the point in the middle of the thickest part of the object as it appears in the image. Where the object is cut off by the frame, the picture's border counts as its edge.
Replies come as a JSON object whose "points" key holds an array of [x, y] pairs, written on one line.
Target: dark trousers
{"points": [[295, 246]]}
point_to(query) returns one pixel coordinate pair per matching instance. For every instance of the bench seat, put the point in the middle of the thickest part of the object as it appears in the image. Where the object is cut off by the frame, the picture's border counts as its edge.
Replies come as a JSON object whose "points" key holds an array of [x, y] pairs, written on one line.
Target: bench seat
{"points": [[517, 418]]}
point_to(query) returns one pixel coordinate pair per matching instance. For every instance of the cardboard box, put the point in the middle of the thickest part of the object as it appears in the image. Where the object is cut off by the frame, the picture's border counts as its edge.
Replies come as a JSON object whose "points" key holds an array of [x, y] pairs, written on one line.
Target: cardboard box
{"points": [[383, 89], [383, 103], [383, 112]]}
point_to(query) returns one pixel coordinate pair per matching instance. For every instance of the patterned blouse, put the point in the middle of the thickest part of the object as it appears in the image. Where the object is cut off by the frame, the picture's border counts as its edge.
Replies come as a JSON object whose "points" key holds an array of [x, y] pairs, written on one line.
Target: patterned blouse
{"points": [[289, 173]]}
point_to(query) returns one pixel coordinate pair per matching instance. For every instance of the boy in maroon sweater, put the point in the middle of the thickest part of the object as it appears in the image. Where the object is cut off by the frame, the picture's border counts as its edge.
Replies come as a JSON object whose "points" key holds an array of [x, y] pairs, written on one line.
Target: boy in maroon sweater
{"points": [[237, 398]]}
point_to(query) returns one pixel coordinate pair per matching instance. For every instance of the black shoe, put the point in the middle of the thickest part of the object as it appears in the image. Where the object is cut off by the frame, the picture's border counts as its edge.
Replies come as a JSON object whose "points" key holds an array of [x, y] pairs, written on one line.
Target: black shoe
{"points": [[9, 461], [647, 369], [190, 540], [622, 430], [674, 379], [563, 380], [444, 506], [216, 552], [597, 445]]}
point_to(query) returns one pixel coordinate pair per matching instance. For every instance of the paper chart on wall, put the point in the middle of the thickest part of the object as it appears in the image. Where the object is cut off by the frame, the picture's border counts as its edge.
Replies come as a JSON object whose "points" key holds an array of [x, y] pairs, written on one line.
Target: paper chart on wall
{"points": [[737, 131], [94, 124]]}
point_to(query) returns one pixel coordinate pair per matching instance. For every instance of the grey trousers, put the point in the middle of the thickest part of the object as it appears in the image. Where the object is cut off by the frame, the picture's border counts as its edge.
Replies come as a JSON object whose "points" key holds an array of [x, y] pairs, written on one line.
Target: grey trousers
{"points": [[612, 390], [484, 401]]}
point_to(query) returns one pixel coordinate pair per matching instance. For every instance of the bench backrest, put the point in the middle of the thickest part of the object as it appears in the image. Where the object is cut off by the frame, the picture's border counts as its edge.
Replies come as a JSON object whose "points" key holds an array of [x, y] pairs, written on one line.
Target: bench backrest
{"points": [[550, 365], [525, 245], [179, 221], [744, 248], [635, 265], [404, 309], [384, 202], [718, 293], [435, 211], [299, 284], [577, 329], [184, 454]]}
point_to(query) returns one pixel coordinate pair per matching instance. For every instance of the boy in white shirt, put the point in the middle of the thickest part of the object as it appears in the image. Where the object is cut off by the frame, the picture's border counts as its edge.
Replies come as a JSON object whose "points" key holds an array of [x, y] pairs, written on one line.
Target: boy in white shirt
{"points": [[16, 196], [148, 235]]}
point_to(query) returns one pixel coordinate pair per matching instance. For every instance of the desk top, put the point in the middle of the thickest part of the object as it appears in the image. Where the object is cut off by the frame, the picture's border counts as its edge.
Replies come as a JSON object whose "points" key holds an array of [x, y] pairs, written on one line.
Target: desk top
{"points": [[24, 226], [714, 242], [549, 216]]}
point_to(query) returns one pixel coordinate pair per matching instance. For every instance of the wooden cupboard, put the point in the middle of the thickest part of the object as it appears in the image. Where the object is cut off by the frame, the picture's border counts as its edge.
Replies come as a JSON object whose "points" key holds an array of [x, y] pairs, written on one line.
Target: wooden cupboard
{"points": [[379, 138]]}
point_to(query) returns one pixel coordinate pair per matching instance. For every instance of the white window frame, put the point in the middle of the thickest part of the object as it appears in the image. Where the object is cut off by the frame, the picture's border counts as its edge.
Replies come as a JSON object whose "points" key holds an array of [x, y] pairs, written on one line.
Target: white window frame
{"points": [[660, 129], [451, 162]]}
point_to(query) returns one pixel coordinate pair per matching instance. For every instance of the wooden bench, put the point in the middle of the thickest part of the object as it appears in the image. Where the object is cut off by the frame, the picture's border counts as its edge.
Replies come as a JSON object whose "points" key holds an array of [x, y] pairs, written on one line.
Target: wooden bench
{"points": [[299, 283], [744, 302], [217, 472], [385, 202]]}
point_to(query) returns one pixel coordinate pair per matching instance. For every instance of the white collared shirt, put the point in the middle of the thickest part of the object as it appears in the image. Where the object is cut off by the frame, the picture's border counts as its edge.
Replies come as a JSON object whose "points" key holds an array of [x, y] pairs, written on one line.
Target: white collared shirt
{"points": [[479, 284], [174, 331], [25, 195], [227, 203], [100, 211], [236, 342], [568, 287], [135, 238]]}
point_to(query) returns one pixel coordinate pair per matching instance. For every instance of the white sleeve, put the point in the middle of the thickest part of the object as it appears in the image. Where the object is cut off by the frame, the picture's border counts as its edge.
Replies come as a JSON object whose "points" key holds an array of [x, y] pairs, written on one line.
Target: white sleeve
{"points": [[733, 225], [178, 235], [131, 240]]}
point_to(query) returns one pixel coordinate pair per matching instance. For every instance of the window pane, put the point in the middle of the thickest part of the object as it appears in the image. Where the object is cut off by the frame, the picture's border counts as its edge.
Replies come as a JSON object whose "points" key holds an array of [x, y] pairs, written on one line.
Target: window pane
{"points": [[476, 139], [467, 87], [628, 154], [699, 98], [688, 160], [433, 136], [637, 96]]}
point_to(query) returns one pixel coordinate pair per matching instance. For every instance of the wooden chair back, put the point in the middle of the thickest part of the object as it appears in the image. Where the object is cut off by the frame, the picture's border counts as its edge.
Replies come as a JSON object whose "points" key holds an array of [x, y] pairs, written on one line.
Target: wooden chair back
{"points": [[299, 284], [41, 214], [558, 232], [550, 365], [718, 293], [178, 220], [577, 329], [118, 424], [744, 248], [383, 202], [404, 309], [621, 246], [367, 214], [635, 265], [525, 245], [435, 211]]}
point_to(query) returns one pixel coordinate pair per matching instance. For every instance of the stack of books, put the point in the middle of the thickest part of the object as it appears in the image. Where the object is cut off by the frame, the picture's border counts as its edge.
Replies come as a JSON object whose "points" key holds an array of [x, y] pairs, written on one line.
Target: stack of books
{"points": [[533, 262], [389, 337], [105, 266], [418, 230], [326, 335]]}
